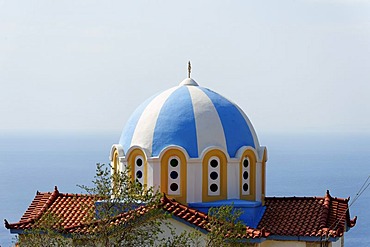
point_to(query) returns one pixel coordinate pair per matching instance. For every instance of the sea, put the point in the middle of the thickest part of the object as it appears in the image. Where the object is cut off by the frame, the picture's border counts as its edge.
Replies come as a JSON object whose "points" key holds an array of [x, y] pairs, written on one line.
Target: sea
{"points": [[299, 164]]}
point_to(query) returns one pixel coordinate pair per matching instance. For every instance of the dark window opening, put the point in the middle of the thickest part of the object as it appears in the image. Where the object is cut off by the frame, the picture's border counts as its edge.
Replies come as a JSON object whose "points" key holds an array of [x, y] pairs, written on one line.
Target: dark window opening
{"points": [[139, 162], [214, 163], [174, 162], [246, 163], [213, 187], [213, 175], [174, 175], [174, 187], [139, 174], [245, 187]]}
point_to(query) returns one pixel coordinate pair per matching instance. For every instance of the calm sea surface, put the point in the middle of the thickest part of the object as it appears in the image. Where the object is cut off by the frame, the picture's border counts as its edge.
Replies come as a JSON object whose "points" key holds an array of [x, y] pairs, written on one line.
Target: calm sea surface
{"points": [[298, 165]]}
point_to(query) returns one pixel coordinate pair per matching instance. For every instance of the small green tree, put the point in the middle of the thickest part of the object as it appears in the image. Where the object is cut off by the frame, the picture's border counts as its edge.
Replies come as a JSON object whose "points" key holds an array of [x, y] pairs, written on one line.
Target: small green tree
{"points": [[45, 232], [185, 239], [130, 214], [121, 194], [225, 228], [118, 194]]}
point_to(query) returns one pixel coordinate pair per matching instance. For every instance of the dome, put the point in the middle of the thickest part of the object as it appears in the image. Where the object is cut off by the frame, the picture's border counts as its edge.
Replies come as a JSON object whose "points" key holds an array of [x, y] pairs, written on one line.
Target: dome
{"points": [[192, 117]]}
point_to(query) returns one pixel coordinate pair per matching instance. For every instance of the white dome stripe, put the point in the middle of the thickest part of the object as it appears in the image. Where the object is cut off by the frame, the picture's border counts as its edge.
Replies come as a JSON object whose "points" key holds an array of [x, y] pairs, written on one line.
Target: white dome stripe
{"points": [[176, 125], [236, 130], [205, 113], [191, 117], [129, 129], [143, 134], [253, 132]]}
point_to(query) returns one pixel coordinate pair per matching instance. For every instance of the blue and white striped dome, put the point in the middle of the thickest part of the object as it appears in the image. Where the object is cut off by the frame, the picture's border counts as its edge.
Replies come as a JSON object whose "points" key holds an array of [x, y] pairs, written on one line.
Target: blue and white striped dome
{"points": [[191, 117]]}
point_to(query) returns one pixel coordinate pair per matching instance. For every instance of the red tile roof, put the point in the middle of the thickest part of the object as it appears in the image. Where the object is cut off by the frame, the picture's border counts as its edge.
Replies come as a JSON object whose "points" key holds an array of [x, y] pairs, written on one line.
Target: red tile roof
{"points": [[120, 219], [306, 216], [200, 219], [287, 216], [69, 209], [76, 214]]}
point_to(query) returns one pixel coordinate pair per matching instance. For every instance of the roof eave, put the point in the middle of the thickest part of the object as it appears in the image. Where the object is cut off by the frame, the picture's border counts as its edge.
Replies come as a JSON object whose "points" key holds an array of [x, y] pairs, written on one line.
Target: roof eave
{"points": [[302, 238]]}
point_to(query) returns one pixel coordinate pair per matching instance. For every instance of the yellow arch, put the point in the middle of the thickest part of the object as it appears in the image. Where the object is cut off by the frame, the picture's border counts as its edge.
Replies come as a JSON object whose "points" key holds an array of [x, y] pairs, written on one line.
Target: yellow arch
{"points": [[115, 168], [131, 162], [115, 161], [252, 175], [223, 175], [183, 174], [264, 159]]}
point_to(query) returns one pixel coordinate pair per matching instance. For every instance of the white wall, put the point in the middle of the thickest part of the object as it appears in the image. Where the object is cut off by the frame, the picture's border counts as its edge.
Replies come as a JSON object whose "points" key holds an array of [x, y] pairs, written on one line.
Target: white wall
{"points": [[180, 228], [233, 181], [258, 183], [156, 173], [338, 243], [272, 243], [150, 174], [194, 181]]}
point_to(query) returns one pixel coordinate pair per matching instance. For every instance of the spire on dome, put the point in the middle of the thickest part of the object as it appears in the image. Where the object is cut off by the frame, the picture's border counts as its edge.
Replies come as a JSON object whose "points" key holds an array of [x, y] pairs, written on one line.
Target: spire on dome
{"points": [[188, 81], [189, 69]]}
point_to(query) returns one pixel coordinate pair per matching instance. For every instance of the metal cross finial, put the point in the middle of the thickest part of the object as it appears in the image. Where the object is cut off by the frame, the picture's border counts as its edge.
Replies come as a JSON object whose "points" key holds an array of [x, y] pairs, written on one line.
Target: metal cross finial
{"points": [[189, 69]]}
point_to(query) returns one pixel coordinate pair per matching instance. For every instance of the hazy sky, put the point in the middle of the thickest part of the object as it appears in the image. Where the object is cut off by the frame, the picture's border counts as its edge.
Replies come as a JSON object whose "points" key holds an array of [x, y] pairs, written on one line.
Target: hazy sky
{"points": [[292, 66]]}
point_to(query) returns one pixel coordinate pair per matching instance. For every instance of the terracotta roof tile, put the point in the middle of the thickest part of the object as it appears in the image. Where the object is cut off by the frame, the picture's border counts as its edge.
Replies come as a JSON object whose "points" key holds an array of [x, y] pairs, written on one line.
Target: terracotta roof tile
{"points": [[286, 216], [306, 216], [69, 209], [92, 226], [193, 217], [200, 219]]}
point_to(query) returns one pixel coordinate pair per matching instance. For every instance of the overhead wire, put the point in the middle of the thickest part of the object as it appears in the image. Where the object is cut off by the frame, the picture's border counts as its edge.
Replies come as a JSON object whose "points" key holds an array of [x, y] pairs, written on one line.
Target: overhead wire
{"points": [[363, 188]]}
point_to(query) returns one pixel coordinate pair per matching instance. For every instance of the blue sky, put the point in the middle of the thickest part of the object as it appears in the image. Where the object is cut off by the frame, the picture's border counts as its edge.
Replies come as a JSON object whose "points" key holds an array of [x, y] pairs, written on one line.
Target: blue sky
{"points": [[84, 66]]}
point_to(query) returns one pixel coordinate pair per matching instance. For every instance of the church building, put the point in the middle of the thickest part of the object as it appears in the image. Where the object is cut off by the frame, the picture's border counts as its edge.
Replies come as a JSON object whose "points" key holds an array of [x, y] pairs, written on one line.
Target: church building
{"points": [[201, 150]]}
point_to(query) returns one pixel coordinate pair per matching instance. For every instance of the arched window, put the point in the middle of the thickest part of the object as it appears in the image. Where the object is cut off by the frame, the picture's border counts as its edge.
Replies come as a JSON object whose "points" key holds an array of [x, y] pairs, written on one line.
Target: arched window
{"points": [[115, 161], [247, 176], [115, 171], [138, 166], [139, 169], [173, 174], [214, 176]]}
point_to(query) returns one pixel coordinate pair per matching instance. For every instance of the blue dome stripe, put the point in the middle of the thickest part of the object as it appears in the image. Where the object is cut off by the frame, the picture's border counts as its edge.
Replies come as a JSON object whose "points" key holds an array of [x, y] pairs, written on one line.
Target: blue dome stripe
{"points": [[191, 117], [129, 129], [176, 125], [231, 118]]}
